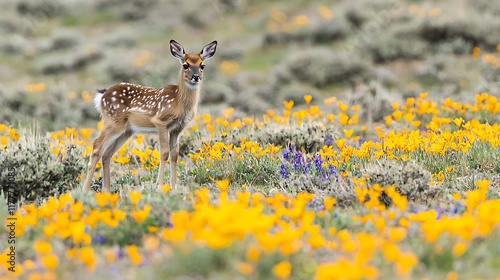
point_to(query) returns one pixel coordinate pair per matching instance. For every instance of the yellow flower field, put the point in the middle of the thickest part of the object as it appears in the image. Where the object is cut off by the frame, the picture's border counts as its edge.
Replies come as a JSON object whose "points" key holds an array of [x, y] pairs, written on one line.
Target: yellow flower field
{"points": [[309, 205]]}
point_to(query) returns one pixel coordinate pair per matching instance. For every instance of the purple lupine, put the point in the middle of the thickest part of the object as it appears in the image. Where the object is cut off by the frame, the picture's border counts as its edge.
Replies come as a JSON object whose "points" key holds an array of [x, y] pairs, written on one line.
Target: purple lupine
{"points": [[144, 262], [306, 166], [98, 239], [120, 254], [286, 154], [318, 162], [283, 171], [332, 171], [297, 161], [439, 212]]}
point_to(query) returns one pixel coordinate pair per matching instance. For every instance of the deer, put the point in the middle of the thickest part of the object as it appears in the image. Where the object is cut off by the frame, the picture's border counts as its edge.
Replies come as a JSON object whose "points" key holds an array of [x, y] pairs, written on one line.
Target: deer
{"points": [[127, 109]]}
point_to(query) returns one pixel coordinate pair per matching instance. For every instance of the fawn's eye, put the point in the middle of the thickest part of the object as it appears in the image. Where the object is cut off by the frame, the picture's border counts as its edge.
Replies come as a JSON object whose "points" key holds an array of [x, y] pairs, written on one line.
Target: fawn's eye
{"points": [[202, 66], [185, 65]]}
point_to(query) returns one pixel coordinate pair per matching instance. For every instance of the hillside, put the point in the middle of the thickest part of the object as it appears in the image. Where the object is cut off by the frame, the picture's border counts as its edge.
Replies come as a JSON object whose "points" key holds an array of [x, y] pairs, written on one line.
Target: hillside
{"points": [[55, 53]]}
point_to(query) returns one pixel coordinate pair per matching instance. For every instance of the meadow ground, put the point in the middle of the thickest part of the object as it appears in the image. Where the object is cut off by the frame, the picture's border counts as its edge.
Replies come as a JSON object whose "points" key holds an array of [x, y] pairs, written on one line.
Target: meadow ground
{"points": [[297, 194]]}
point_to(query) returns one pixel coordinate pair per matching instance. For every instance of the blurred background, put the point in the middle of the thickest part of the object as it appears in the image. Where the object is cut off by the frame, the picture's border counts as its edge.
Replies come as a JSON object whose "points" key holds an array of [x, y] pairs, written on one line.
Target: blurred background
{"points": [[55, 53]]}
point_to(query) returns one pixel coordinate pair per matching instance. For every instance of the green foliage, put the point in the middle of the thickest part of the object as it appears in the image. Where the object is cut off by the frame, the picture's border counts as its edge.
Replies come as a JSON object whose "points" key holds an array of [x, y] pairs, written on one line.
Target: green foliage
{"points": [[34, 172], [53, 109], [309, 137], [321, 67], [409, 177], [316, 33], [240, 169]]}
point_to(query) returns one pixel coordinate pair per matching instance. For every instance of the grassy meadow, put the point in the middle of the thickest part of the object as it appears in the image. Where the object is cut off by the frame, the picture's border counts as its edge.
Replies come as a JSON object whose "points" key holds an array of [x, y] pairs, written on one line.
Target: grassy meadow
{"points": [[334, 140], [415, 197]]}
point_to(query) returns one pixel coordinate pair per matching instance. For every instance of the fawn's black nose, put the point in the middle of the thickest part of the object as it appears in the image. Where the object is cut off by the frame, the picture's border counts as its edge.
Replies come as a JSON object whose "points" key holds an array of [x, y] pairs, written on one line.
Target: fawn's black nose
{"points": [[195, 78]]}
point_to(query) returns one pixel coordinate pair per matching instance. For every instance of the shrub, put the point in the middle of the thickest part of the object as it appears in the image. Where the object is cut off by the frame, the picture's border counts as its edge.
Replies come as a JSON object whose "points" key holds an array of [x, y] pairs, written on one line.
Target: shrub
{"points": [[321, 67], [309, 138], [39, 9], [295, 91], [37, 171], [388, 43], [65, 39], [315, 33], [54, 64], [52, 109], [374, 101], [410, 178], [470, 28]]}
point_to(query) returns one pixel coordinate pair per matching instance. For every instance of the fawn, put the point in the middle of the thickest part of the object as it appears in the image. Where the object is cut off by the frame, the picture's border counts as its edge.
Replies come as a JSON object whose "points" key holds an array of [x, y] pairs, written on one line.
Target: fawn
{"points": [[129, 108]]}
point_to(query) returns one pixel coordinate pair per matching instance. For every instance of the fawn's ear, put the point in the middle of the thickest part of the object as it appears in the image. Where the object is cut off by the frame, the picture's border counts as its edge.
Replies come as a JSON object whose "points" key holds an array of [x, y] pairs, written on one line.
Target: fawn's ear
{"points": [[176, 49], [209, 50]]}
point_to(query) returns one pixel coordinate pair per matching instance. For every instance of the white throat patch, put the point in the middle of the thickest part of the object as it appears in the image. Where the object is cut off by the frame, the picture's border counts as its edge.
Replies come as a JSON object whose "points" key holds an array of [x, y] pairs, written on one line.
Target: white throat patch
{"points": [[192, 86]]}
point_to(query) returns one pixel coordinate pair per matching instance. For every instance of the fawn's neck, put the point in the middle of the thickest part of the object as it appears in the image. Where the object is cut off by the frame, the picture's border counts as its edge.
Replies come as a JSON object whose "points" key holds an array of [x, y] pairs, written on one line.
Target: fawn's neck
{"points": [[188, 95]]}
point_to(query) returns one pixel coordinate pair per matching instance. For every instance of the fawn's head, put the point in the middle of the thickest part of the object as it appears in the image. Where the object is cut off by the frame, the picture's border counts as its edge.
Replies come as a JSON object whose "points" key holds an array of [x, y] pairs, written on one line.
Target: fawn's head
{"points": [[192, 64]]}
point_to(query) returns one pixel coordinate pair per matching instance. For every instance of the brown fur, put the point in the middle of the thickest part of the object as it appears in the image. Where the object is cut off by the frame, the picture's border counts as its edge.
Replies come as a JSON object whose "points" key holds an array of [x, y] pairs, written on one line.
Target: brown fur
{"points": [[127, 108]]}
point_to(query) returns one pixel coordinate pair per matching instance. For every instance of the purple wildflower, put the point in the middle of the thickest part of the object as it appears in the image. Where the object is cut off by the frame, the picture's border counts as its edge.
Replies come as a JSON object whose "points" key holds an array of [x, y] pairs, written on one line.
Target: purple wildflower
{"points": [[98, 239], [297, 161], [318, 163], [306, 164], [286, 154], [439, 212], [120, 254], [283, 171]]}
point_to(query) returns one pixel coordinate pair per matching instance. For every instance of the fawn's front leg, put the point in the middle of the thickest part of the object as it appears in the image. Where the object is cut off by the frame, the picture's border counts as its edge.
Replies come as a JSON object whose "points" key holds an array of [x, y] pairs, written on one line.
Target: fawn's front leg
{"points": [[174, 154], [164, 153]]}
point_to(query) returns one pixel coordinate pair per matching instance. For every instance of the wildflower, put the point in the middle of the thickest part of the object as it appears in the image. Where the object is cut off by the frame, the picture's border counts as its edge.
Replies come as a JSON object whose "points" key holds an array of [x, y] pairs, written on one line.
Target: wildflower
{"points": [[140, 215], [307, 99], [284, 171], [329, 202], [98, 239], [459, 248], [85, 132], [405, 263], [121, 160], [165, 188], [288, 105], [282, 270], [50, 261], [252, 254], [397, 234], [134, 255], [222, 185], [390, 251], [102, 199], [245, 268], [475, 52], [77, 230], [286, 154], [42, 247], [135, 196], [348, 133], [325, 12], [301, 20], [110, 255], [151, 243], [86, 255], [37, 87]]}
